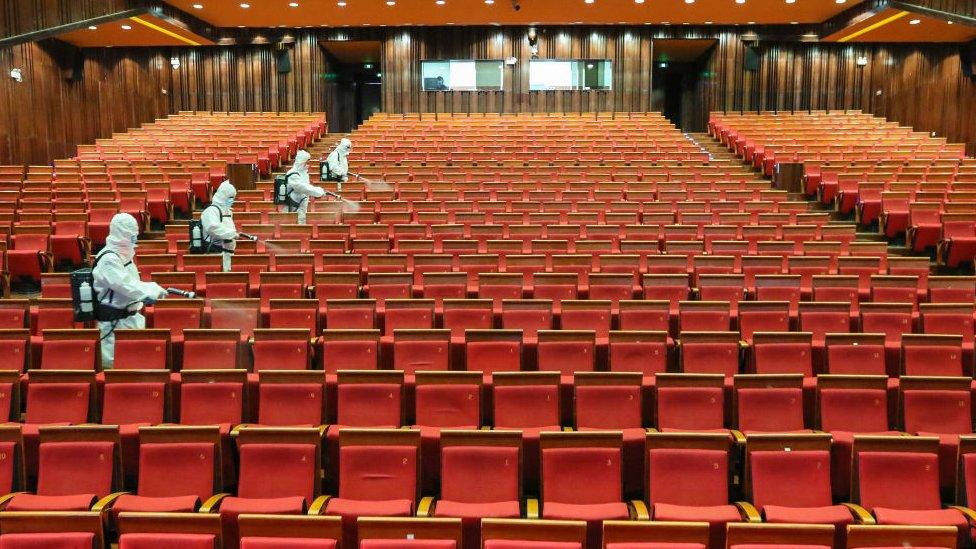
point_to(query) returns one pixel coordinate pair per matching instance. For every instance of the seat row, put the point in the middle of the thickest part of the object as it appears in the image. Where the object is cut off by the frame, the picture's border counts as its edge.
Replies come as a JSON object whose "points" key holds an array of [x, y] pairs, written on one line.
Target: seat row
{"points": [[688, 477]]}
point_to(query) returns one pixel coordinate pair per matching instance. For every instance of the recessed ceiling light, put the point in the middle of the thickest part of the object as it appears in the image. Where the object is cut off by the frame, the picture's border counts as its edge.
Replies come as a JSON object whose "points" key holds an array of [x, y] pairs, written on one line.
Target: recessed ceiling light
{"points": [[751, 23], [638, 1], [708, 22], [245, 5], [740, 1], [292, 4], [440, 2], [841, 1], [794, 22], [791, 1], [126, 27], [390, 2], [341, 3], [588, 1], [950, 23], [489, 1], [198, 6], [93, 27], [689, 1], [914, 21]]}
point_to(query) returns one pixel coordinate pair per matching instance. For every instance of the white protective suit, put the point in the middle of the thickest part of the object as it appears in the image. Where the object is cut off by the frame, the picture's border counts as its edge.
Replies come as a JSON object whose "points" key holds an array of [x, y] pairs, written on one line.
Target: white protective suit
{"points": [[217, 220], [300, 189], [338, 161], [117, 282]]}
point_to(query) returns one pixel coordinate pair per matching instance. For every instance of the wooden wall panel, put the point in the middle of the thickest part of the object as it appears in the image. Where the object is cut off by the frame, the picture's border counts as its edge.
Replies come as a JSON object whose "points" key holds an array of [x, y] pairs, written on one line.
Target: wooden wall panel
{"points": [[958, 7], [629, 48], [47, 116], [918, 85]]}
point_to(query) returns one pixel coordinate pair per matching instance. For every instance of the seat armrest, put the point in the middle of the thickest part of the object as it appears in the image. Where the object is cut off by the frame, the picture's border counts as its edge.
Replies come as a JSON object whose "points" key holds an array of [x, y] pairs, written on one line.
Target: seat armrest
{"points": [[211, 505], [426, 506], [532, 508], [318, 506], [5, 499], [738, 436], [966, 512], [638, 510], [107, 501], [861, 515], [748, 511]]}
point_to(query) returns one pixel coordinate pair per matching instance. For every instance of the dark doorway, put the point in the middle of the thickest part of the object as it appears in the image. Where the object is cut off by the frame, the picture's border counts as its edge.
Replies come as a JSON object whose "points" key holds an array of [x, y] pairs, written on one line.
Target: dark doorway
{"points": [[353, 83], [676, 81]]}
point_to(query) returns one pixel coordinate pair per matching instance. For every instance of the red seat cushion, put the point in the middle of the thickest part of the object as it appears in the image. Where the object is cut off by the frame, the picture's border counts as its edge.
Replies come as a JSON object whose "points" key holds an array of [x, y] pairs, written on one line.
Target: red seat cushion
{"points": [[166, 541], [591, 511], [778, 546], [141, 504], [654, 545], [456, 509], [31, 502], [709, 513], [918, 517], [834, 514], [366, 508], [407, 544], [286, 543], [520, 544], [60, 540], [281, 506]]}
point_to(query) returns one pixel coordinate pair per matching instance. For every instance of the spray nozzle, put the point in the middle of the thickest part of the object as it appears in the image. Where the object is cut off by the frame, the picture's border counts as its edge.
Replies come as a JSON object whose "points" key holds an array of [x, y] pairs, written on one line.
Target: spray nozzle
{"points": [[181, 293], [248, 236]]}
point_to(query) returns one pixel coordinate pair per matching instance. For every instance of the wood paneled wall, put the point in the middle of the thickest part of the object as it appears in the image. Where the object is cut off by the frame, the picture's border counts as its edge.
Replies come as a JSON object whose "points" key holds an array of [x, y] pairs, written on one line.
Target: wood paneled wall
{"points": [[918, 85], [629, 48], [46, 116], [20, 16]]}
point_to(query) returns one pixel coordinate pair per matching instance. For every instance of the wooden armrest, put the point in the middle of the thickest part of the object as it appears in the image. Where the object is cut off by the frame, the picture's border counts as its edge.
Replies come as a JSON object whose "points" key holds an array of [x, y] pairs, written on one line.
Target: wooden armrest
{"points": [[738, 436], [5, 499], [861, 515], [211, 505], [748, 511], [107, 501], [568, 429], [966, 511], [425, 507], [638, 510], [532, 508], [318, 506]]}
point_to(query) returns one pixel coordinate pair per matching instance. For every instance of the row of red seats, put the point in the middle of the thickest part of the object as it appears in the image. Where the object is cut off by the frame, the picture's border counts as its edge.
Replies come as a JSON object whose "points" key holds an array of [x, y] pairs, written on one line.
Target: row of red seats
{"points": [[203, 531], [581, 477]]}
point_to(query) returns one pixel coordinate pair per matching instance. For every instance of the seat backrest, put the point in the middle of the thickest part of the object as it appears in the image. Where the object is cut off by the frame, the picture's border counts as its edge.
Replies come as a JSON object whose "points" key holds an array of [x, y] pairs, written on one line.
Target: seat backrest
{"points": [[378, 472], [293, 466], [853, 410], [130, 403], [177, 469], [898, 480], [679, 476], [526, 406], [61, 540], [921, 359], [494, 355], [57, 402], [581, 475], [784, 356], [937, 411], [636, 354], [480, 474], [690, 408], [448, 406], [211, 403], [68, 354], [608, 407], [290, 404], [369, 405], [69, 468], [775, 409], [565, 351], [710, 357], [354, 351], [791, 479]]}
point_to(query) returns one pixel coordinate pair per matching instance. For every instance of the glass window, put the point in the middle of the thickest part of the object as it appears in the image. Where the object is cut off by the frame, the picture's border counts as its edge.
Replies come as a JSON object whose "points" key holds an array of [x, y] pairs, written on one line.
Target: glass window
{"points": [[572, 74], [443, 75]]}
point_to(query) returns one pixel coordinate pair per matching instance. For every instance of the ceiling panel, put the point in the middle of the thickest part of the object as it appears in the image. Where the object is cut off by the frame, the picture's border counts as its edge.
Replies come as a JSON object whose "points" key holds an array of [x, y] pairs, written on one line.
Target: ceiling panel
{"points": [[144, 30], [268, 13], [894, 25]]}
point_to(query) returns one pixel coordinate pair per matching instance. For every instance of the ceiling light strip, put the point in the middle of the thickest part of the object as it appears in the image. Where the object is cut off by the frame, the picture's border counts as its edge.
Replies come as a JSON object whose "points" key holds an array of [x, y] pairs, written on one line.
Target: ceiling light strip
{"points": [[873, 26], [165, 31]]}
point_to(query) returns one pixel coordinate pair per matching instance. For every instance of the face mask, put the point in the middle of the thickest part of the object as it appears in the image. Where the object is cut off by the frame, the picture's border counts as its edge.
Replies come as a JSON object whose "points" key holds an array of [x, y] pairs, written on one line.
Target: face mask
{"points": [[229, 203]]}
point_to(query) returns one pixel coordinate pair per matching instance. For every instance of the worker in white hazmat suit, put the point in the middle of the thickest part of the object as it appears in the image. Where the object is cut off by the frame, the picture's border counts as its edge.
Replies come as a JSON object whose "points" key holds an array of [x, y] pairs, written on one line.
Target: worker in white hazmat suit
{"points": [[118, 289], [300, 188], [336, 166], [217, 220]]}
